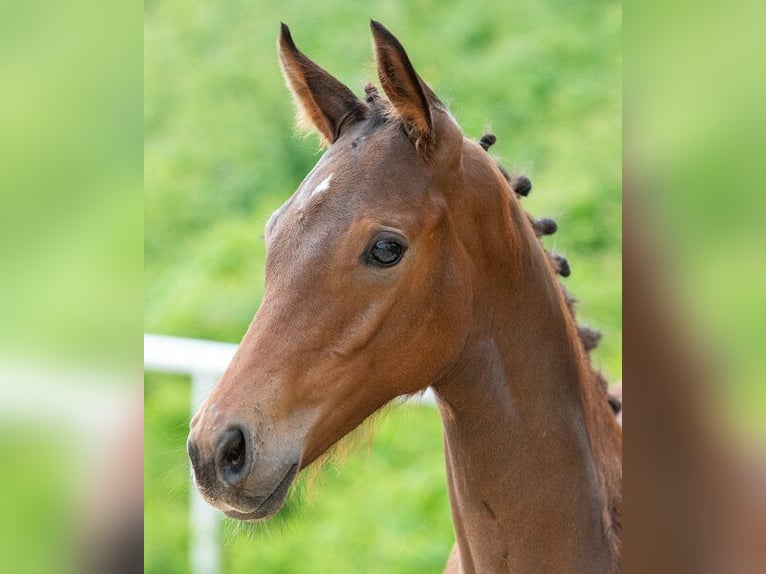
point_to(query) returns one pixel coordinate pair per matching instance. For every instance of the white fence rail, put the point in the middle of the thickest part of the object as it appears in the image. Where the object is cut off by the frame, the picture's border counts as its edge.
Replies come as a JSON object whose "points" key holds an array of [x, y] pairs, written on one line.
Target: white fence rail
{"points": [[204, 362]]}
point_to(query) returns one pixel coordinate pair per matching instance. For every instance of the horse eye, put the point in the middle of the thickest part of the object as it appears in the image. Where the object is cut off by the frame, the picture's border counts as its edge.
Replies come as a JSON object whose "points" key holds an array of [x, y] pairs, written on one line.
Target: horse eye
{"points": [[386, 252]]}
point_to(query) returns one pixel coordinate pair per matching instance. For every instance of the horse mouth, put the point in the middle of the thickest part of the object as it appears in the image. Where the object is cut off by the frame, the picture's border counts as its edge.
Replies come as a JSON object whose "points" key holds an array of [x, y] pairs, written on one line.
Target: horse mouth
{"points": [[269, 505]]}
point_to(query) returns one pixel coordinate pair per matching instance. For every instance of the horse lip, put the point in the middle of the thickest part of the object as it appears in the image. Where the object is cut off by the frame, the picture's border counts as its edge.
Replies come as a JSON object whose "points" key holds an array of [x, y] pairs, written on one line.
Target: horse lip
{"points": [[271, 503]]}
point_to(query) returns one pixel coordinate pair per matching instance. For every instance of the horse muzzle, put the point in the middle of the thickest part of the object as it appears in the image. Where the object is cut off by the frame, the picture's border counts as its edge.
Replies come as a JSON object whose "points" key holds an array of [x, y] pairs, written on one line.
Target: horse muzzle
{"points": [[228, 476]]}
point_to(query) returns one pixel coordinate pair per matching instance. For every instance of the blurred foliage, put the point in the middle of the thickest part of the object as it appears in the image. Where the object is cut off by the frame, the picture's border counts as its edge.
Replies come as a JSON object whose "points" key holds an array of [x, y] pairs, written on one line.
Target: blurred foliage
{"points": [[70, 185], [221, 155], [698, 169], [71, 152], [41, 535]]}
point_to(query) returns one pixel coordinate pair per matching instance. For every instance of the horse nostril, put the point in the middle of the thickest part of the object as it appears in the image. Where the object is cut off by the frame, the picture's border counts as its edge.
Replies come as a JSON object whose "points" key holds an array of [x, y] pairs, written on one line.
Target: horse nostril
{"points": [[191, 448], [232, 457]]}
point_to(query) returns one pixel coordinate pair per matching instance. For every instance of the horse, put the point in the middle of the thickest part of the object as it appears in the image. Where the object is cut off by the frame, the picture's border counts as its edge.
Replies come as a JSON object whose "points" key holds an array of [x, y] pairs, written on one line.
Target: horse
{"points": [[404, 261]]}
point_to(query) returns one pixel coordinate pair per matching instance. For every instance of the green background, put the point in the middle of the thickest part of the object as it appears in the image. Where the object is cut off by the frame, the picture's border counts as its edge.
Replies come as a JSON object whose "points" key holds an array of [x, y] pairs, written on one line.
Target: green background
{"points": [[221, 154]]}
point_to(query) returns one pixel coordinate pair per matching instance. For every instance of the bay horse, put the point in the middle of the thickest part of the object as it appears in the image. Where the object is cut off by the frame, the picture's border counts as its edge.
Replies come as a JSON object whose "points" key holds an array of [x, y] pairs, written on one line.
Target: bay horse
{"points": [[404, 261]]}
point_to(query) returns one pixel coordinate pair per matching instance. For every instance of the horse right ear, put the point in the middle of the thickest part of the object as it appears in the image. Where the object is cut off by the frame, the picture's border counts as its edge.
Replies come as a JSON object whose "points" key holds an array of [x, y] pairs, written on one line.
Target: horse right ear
{"points": [[324, 102], [405, 90]]}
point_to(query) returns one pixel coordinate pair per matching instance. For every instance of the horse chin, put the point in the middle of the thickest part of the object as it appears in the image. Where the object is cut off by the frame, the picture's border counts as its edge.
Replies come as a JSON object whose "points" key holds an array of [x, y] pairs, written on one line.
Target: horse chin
{"points": [[269, 506], [255, 516]]}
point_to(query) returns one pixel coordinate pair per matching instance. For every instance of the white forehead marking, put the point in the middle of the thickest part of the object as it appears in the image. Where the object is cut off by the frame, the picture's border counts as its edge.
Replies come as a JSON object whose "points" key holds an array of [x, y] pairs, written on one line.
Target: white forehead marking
{"points": [[322, 187]]}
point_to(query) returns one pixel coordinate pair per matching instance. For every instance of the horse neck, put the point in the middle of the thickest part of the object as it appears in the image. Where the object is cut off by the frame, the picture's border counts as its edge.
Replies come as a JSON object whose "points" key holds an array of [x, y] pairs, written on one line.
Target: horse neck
{"points": [[527, 489]]}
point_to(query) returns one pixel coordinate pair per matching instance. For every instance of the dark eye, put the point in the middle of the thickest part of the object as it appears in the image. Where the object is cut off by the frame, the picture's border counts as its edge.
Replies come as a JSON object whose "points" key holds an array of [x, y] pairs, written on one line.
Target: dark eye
{"points": [[385, 252]]}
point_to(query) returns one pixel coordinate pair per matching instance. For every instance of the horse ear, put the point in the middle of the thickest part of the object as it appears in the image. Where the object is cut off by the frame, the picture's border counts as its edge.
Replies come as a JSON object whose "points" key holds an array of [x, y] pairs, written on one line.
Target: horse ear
{"points": [[404, 88], [323, 102]]}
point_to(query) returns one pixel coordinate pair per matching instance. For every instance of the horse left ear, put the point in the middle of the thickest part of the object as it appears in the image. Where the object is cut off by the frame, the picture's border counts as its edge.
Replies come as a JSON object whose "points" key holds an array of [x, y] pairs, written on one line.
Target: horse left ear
{"points": [[324, 102], [405, 90]]}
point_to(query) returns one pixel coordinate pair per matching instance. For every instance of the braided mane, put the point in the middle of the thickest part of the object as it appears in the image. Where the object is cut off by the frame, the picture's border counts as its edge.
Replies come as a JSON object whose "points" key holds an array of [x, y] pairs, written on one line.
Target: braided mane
{"points": [[589, 338]]}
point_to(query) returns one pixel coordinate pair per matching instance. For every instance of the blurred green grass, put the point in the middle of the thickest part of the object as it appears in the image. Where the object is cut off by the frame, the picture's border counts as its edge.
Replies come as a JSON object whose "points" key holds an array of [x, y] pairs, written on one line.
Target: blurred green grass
{"points": [[221, 155]]}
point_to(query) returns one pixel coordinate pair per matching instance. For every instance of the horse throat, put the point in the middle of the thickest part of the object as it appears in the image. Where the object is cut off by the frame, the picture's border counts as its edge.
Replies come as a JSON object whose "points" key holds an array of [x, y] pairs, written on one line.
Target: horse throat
{"points": [[524, 483]]}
